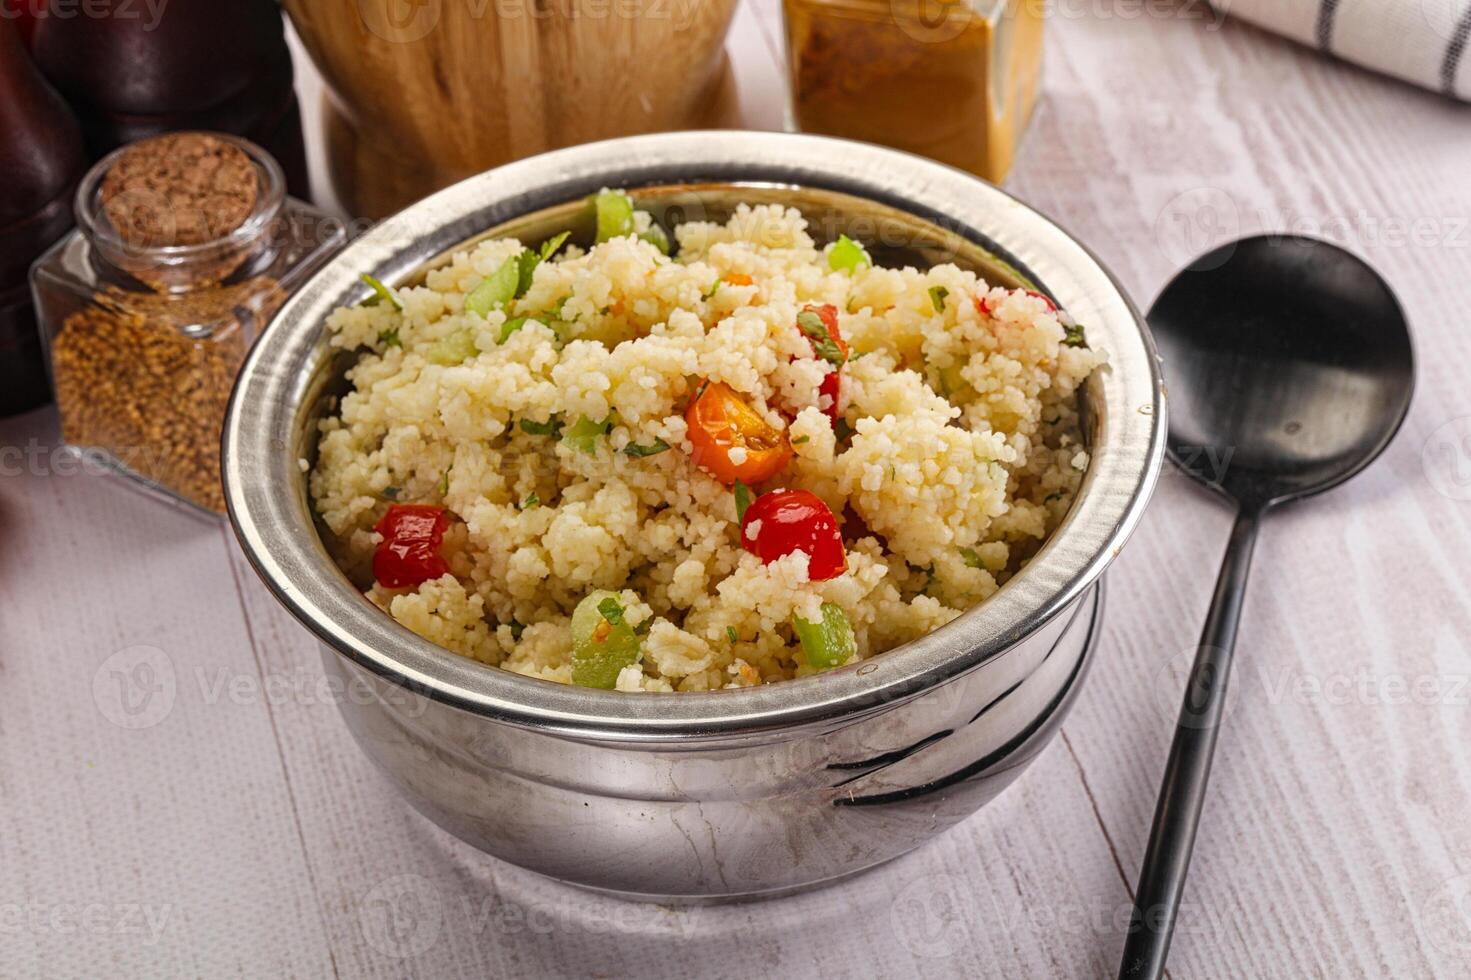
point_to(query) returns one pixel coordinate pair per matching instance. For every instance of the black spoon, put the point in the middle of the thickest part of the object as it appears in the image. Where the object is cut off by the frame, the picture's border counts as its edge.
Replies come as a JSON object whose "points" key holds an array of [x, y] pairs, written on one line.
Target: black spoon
{"points": [[1290, 368]]}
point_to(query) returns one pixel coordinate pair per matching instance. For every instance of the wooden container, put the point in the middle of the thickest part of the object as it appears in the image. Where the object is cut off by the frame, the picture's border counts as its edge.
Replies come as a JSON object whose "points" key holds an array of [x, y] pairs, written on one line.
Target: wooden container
{"points": [[422, 95]]}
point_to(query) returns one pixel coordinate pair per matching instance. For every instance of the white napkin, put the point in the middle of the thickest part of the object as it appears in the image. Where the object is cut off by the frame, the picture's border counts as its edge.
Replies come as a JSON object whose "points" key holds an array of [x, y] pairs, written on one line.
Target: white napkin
{"points": [[1421, 41]]}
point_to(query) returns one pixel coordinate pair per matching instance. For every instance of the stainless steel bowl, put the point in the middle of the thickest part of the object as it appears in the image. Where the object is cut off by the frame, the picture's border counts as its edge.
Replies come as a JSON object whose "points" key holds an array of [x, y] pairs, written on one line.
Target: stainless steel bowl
{"points": [[733, 793]]}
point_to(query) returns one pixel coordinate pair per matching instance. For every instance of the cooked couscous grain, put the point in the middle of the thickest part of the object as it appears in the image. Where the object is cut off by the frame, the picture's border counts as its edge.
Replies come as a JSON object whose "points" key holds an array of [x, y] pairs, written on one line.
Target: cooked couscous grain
{"points": [[557, 452]]}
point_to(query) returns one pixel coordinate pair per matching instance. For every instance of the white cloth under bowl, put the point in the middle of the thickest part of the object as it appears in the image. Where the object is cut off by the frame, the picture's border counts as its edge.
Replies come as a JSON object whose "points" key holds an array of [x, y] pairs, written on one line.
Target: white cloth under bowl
{"points": [[1420, 41]]}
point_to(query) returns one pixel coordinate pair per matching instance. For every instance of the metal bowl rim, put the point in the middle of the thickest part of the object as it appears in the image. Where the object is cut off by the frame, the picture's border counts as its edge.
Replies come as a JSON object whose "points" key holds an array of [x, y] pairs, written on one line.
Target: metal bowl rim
{"points": [[263, 480]]}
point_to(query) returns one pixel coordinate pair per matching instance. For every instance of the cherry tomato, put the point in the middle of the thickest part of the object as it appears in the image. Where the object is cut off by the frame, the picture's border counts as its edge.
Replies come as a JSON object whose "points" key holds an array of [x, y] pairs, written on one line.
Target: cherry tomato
{"points": [[832, 384], [1051, 306], [732, 441], [408, 555], [795, 520], [983, 306]]}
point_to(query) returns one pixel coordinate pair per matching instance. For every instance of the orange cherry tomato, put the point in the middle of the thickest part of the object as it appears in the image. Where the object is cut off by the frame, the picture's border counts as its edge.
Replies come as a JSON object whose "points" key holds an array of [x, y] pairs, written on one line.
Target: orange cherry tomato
{"points": [[732, 441]]}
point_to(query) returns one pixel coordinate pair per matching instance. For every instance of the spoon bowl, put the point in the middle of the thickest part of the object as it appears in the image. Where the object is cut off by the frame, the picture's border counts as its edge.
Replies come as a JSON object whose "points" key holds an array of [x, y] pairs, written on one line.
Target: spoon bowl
{"points": [[1290, 367]]}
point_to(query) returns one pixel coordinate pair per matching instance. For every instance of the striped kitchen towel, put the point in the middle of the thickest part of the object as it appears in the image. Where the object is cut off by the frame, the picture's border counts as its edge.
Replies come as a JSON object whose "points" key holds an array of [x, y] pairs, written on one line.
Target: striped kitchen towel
{"points": [[1420, 41]]}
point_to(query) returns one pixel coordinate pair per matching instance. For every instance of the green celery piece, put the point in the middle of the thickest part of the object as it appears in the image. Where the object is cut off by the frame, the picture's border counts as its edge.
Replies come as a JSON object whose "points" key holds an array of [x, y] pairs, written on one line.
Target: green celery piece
{"points": [[656, 237], [847, 256], [457, 348], [829, 643], [511, 326], [495, 291], [381, 293], [614, 211], [601, 647], [583, 435]]}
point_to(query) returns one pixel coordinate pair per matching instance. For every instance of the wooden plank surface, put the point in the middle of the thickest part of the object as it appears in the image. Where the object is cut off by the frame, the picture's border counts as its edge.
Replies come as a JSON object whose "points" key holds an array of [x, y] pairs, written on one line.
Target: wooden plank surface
{"points": [[181, 799]]}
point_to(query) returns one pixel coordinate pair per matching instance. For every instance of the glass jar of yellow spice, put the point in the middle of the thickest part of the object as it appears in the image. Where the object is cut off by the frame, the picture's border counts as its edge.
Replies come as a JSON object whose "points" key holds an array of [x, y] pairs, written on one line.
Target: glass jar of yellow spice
{"points": [[953, 80], [186, 245]]}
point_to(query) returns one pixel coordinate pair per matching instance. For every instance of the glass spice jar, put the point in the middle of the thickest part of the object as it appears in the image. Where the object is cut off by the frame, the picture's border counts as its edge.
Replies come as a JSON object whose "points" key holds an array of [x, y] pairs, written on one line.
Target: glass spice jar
{"points": [[144, 336], [953, 80]]}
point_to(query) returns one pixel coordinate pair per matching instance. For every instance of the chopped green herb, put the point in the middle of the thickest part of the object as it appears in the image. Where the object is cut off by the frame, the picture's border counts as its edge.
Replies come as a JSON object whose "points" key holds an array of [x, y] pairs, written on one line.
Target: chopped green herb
{"points": [[390, 338], [516, 630], [532, 500], [801, 439], [937, 298], [457, 348], [847, 256], [829, 643], [822, 341], [971, 558], [444, 482], [742, 501], [732, 635], [550, 427], [550, 246], [653, 449], [583, 435], [656, 237], [381, 294], [509, 327], [392, 492], [497, 289], [1075, 336], [843, 430], [714, 288], [614, 212], [611, 610]]}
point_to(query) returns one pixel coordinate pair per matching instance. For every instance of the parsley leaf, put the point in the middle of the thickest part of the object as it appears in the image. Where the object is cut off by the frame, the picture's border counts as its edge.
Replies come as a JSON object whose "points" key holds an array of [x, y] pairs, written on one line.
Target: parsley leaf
{"points": [[732, 635], [742, 501], [653, 449], [610, 610], [822, 341], [1074, 336], [516, 630], [937, 297], [390, 338], [532, 500], [550, 427], [801, 439], [550, 246], [714, 288]]}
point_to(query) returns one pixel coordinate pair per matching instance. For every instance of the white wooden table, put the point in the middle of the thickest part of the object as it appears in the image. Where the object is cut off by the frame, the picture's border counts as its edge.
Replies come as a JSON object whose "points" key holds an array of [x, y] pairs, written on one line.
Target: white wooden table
{"points": [[179, 798]]}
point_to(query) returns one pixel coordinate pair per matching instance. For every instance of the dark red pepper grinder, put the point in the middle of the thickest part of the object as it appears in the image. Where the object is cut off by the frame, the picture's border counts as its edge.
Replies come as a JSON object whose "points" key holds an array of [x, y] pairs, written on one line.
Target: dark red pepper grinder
{"points": [[133, 70], [41, 158]]}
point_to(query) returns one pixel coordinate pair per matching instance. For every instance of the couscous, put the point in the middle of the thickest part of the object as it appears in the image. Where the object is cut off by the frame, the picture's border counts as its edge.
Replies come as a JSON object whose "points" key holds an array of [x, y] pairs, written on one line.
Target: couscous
{"points": [[755, 460]]}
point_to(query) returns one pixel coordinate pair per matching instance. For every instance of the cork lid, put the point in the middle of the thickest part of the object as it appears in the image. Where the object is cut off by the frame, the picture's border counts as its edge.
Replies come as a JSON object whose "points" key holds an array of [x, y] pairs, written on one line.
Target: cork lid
{"points": [[179, 189]]}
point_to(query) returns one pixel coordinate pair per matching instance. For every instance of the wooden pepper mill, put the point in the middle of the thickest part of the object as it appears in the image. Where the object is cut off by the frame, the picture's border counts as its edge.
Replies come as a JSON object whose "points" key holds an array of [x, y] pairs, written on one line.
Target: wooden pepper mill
{"points": [[42, 159], [138, 70]]}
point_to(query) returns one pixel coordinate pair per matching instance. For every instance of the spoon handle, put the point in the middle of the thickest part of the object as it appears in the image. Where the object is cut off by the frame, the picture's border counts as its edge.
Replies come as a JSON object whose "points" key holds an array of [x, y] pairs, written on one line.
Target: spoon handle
{"points": [[1182, 792]]}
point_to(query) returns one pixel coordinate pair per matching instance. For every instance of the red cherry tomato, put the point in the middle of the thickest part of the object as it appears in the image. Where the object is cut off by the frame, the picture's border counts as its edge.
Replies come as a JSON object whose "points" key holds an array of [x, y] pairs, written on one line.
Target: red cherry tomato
{"points": [[719, 422], [795, 520], [1051, 306], [408, 555], [832, 382]]}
